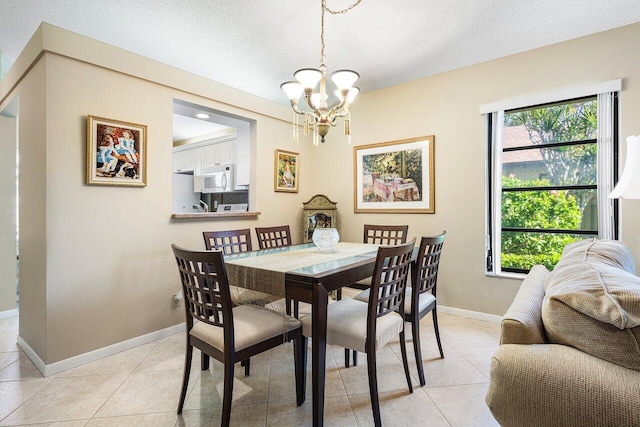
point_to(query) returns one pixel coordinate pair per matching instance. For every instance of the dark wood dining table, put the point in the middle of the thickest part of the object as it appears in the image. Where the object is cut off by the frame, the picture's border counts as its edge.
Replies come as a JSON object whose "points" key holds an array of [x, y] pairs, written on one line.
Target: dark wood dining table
{"points": [[312, 284]]}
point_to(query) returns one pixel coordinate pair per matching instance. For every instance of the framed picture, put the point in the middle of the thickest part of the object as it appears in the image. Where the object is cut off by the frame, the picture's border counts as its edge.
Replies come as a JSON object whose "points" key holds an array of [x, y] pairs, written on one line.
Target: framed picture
{"points": [[116, 152], [396, 176], [287, 171]]}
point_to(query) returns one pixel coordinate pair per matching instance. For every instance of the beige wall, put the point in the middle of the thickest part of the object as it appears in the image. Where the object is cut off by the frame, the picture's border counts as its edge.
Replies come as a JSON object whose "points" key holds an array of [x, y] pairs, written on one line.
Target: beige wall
{"points": [[96, 266], [34, 242], [447, 106], [8, 139]]}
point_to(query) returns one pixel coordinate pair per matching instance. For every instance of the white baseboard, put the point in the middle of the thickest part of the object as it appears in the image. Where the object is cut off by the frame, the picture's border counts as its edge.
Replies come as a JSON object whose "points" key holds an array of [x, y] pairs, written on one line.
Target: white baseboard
{"points": [[494, 318], [8, 313], [82, 359]]}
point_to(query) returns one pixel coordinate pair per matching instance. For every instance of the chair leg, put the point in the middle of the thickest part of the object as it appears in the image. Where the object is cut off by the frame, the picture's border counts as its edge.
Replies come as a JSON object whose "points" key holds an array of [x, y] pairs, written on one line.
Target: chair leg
{"points": [[204, 361], [435, 326], [403, 350], [347, 353], [339, 294], [373, 387], [415, 331], [227, 393], [185, 379], [355, 357], [247, 366], [300, 356]]}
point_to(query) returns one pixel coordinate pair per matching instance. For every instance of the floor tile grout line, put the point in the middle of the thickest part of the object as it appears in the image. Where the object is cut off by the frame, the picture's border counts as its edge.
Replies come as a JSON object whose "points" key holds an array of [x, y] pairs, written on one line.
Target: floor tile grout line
{"points": [[125, 378], [23, 403], [394, 349]]}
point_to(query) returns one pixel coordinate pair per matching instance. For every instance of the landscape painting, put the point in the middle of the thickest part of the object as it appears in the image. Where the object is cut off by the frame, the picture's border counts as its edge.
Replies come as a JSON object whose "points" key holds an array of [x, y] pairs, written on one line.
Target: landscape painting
{"points": [[396, 176]]}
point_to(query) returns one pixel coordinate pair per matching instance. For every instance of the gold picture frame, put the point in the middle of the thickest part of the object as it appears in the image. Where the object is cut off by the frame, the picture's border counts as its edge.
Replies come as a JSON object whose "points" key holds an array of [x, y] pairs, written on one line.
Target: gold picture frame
{"points": [[116, 152], [395, 176], [287, 171]]}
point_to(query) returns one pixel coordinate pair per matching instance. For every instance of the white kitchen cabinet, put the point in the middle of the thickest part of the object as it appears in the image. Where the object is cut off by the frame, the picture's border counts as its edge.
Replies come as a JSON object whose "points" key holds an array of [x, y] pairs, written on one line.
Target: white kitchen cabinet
{"points": [[221, 153], [183, 161]]}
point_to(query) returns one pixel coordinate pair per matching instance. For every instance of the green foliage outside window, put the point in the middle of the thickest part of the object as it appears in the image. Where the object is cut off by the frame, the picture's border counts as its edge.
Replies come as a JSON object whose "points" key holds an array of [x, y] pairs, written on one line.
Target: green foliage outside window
{"points": [[555, 209]]}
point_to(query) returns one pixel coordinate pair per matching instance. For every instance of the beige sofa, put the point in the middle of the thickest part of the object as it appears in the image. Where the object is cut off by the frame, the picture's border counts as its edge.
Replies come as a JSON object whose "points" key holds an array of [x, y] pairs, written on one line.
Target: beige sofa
{"points": [[569, 352]]}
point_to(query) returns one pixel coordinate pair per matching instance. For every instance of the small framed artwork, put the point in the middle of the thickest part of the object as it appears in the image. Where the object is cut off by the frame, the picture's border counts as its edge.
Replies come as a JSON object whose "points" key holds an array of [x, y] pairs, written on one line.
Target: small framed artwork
{"points": [[395, 177], [116, 152], [287, 171]]}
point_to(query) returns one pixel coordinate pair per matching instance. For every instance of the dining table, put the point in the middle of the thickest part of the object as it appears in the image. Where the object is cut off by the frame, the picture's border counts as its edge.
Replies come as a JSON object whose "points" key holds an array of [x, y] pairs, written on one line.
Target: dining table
{"points": [[303, 273]]}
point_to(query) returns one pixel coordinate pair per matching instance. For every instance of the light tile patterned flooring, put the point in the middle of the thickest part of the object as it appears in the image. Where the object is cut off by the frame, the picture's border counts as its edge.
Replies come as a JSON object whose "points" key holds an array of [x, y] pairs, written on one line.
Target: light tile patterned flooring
{"points": [[141, 386]]}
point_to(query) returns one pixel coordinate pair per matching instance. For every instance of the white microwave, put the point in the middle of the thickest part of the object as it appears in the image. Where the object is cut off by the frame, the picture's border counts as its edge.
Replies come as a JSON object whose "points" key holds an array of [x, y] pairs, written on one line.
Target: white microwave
{"points": [[214, 179]]}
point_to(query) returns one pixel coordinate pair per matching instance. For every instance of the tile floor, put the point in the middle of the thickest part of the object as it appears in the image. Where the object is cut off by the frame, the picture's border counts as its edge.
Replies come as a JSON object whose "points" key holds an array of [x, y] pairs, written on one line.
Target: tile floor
{"points": [[141, 386]]}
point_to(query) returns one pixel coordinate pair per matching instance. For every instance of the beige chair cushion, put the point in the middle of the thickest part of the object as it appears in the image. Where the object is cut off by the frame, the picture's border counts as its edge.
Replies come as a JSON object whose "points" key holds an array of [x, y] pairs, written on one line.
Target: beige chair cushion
{"points": [[251, 325], [424, 299], [522, 323], [592, 303], [364, 282], [347, 325]]}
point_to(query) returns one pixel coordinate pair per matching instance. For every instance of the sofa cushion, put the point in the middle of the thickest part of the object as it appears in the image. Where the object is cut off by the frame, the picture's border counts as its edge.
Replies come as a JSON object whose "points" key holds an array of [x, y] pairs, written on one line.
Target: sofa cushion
{"points": [[610, 252], [592, 302]]}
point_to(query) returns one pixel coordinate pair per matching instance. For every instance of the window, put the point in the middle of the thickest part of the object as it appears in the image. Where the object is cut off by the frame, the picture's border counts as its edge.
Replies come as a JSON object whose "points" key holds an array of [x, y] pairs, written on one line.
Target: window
{"points": [[550, 169]]}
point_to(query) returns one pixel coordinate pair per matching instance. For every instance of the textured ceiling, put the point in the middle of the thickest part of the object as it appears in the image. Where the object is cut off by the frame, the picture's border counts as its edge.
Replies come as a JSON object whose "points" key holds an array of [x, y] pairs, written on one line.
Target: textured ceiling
{"points": [[254, 45]]}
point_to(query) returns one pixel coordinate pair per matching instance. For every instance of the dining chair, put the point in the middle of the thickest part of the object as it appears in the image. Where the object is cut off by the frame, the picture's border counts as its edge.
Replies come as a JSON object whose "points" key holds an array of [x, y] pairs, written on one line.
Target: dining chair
{"points": [[273, 237], [420, 298], [227, 333], [229, 241], [368, 327], [386, 235], [380, 235]]}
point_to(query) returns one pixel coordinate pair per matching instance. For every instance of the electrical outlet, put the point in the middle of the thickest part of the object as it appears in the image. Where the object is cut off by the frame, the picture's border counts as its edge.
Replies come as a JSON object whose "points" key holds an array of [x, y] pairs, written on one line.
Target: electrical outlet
{"points": [[177, 299]]}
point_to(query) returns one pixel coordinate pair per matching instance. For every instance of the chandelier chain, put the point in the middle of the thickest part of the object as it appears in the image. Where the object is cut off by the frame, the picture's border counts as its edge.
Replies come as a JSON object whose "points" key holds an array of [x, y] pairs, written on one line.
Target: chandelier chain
{"points": [[333, 12], [338, 12]]}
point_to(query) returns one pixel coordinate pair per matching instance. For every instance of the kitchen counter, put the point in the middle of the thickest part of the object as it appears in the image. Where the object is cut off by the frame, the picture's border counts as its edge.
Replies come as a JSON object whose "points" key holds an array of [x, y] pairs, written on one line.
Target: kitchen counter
{"points": [[214, 215]]}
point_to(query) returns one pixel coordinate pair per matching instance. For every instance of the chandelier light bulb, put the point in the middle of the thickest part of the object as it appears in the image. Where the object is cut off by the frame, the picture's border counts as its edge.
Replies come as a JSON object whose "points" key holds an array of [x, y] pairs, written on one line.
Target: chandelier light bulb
{"points": [[353, 92], [308, 77], [344, 79], [293, 90], [316, 100]]}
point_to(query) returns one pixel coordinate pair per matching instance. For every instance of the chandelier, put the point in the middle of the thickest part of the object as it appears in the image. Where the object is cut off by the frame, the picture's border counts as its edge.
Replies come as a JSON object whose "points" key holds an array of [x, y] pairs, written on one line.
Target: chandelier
{"points": [[323, 112]]}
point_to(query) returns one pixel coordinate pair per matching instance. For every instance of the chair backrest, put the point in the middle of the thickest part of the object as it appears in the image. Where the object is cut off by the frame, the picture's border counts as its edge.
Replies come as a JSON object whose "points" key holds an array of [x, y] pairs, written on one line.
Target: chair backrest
{"points": [[425, 272], [229, 242], [273, 237], [205, 287], [389, 280], [385, 234]]}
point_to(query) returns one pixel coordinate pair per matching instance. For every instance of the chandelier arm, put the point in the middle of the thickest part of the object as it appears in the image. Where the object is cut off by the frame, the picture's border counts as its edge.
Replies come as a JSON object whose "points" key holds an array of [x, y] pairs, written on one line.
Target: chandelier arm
{"points": [[333, 112], [307, 97], [294, 107]]}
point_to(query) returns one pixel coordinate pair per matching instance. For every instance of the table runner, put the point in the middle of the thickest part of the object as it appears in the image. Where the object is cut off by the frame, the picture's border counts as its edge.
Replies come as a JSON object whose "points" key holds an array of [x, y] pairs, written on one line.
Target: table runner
{"points": [[265, 273]]}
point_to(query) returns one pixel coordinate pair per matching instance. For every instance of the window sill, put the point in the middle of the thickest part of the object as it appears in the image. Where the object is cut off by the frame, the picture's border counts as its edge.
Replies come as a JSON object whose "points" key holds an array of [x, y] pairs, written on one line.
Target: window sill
{"points": [[214, 215], [514, 276]]}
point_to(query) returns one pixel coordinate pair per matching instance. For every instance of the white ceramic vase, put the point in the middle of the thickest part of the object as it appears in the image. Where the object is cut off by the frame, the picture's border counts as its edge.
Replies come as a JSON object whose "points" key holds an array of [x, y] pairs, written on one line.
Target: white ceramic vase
{"points": [[325, 239]]}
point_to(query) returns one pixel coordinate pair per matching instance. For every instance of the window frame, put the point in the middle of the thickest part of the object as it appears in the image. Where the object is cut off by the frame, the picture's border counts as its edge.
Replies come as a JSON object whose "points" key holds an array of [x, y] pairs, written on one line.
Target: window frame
{"points": [[494, 114]]}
